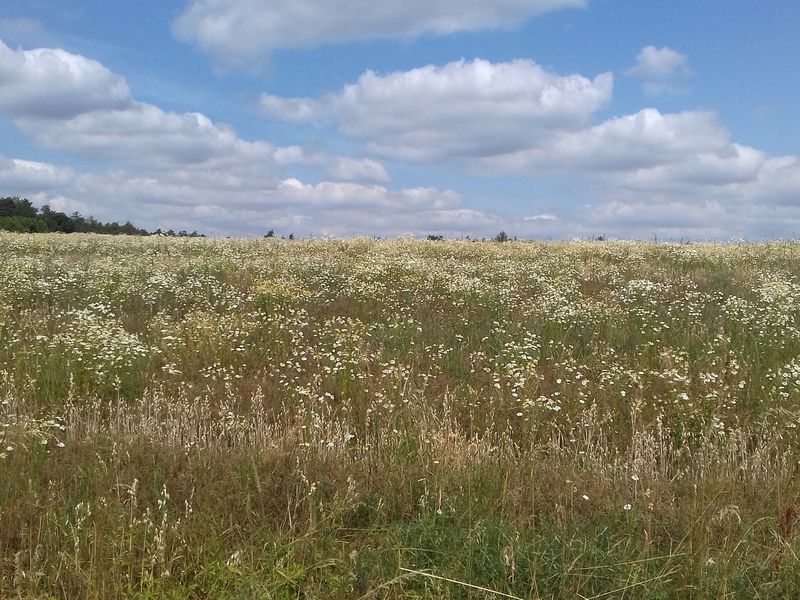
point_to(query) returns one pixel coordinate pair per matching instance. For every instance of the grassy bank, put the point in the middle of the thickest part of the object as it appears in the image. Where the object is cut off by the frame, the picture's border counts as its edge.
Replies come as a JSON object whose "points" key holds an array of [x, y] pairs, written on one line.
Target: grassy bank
{"points": [[343, 419]]}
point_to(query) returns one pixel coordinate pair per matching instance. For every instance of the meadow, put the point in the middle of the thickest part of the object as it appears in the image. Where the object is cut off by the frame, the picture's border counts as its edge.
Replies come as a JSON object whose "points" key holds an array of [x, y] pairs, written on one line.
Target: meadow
{"points": [[215, 418]]}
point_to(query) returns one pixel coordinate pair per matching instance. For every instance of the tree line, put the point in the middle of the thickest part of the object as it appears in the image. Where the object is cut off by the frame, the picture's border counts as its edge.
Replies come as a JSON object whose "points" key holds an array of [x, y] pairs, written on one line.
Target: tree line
{"points": [[20, 215]]}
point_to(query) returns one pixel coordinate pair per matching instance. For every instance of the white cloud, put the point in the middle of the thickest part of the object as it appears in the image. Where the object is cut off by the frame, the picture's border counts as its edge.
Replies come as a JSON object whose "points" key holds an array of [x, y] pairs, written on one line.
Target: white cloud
{"points": [[540, 217], [143, 133], [463, 109], [669, 175], [661, 69], [25, 177], [695, 218], [293, 110], [67, 101], [647, 152], [367, 197], [243, 32], [778, 182], [340, 168], [517, 118], [692, 218], [643, 140], [180, 199], [53, 83], [223, 203], [732, 165], [345, 168]]}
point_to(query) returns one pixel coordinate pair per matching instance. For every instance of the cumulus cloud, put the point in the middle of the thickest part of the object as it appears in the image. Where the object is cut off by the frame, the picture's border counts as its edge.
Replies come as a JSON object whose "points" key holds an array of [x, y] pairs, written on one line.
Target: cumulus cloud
{"points": [[672, 175], [187, 199], [292, 110], [23, 177], [660, 69], [729, 166], [540, 217], [373, 197], [767, 205], [691, 218], [188, 170], [778, 182], [643, 140], [53, 83], [145, 133], [340, 168], [243, 32], [462, 109], [346, 168], [68, 101], [518, 118]]}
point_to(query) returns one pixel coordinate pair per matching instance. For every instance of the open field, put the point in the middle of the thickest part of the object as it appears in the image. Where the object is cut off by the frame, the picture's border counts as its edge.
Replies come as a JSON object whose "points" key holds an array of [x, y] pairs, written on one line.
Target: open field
{"points": [[344, 419]]}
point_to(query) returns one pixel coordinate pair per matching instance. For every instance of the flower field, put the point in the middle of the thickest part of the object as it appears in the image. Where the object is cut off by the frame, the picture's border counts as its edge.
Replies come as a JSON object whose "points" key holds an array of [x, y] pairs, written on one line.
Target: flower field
{"points": [[219, 418]]}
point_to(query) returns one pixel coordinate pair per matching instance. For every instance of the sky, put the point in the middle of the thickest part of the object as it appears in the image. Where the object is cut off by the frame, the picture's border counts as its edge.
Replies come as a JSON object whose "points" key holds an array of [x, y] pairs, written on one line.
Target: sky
{"points": [[546, 119]]}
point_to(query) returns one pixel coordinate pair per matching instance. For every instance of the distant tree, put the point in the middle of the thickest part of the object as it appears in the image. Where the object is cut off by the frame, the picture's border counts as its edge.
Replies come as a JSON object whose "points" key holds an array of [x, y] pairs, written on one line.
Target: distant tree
{"points": [[7, 207], [25, 208], [23, 224], [501, 237], [435, 238], [58, 221], [14, 206], [291, 236], [270, 233], [19, 214]]}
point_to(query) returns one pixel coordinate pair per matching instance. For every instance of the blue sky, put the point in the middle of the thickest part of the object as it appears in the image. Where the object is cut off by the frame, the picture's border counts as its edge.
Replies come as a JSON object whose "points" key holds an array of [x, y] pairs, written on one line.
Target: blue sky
{"points": [[544, 118]]}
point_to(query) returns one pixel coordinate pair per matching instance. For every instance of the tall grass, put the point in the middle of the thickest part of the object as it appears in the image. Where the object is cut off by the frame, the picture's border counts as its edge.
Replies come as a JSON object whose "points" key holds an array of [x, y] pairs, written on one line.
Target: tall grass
{"points": [[345, 419]]}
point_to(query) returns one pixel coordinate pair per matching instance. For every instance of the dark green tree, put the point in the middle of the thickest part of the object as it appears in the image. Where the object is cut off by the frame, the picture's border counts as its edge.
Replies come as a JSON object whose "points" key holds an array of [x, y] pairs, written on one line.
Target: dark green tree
{"points": [[501, 237]]}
